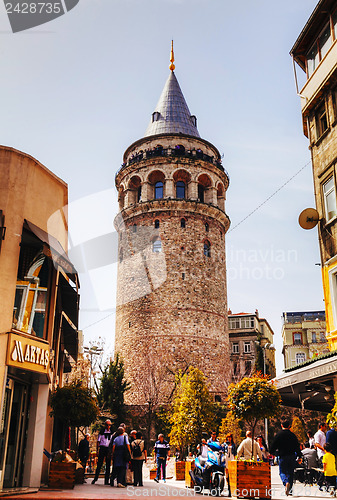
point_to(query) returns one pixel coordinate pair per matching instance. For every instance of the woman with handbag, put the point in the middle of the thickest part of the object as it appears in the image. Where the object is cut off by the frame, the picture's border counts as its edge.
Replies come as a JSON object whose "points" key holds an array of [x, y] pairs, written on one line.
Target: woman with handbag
{"points": [[121, 454]]}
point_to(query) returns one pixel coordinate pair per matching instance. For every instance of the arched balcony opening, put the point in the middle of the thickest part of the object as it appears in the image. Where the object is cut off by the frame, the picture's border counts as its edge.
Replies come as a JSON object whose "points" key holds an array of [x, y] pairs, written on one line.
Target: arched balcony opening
{"points": [[121, 198], [220, 195], [135, 190], [204, 189], [179, 150], [156, 181], [181, 179]]}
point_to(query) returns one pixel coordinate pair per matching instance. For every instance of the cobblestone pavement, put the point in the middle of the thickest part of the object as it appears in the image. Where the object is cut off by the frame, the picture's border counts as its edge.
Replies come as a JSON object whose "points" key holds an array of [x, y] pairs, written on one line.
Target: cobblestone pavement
{"points": [[170, 490]]}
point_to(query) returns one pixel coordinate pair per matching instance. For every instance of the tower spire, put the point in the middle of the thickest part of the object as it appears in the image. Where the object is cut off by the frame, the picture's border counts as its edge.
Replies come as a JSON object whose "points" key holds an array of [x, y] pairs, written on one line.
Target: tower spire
{"points": [[172, 66]]}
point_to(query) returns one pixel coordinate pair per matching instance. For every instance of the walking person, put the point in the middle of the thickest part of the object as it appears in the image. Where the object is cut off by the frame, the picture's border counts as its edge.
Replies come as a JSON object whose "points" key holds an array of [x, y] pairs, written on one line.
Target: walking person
{"points": [[246, 448], [320, 440], [121, 454], [329, 467], [103, 452], [287, 448], [139, 456], [331, 438], [83, 450], [162, 452], [230, 452], [263, 447]]}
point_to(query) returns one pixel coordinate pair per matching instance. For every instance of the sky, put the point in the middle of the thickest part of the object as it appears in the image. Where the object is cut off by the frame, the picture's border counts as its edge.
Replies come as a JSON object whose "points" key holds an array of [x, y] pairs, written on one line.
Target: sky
{"points": [[77, 91]]}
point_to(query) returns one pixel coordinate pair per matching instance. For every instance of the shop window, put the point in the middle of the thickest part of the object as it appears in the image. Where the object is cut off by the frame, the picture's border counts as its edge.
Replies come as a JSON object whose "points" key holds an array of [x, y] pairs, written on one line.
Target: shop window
{"points": [[180, 189], [300, 358], [207, 249], [329, 196], [156, 246], [321, 119], [158, 190]]}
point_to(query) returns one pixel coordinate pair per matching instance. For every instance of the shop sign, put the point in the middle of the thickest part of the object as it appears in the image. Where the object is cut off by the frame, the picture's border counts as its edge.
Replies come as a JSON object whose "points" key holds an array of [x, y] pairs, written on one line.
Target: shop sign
{"points": [[30, 354]]}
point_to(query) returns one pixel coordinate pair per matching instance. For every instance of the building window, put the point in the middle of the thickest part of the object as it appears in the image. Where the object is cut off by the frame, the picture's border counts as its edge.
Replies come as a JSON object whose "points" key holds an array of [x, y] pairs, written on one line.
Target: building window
{"points": [[313, 337], [312, 59], [300, 357], [158, 190], [180, 189], [319, 49], [156, 246], [183, 223], [248, 367], [246, 348], [329, 195], [156, 223], [297, 338], [321, 118], [324, 41], [207, 249], [134, 228], [322, 337], [217, 398], [246, 322], [236, 369], [235, 348]]}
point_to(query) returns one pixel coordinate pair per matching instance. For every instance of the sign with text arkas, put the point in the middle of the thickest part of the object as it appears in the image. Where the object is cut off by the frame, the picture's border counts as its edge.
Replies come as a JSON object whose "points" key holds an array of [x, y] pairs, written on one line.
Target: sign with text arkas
{"points": [[28, 353]]}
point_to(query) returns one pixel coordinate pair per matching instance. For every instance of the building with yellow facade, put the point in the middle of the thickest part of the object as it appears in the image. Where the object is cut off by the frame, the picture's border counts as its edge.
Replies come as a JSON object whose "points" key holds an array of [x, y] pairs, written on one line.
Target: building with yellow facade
{"points": [[39, 314]]}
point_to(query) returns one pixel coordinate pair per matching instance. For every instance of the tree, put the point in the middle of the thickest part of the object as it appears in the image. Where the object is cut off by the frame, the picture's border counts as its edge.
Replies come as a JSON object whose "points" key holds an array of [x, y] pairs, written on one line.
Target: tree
{"points": [[254, 398], [112, 387], [74, 406], [192, 410], [298, 429], [230, 425]]}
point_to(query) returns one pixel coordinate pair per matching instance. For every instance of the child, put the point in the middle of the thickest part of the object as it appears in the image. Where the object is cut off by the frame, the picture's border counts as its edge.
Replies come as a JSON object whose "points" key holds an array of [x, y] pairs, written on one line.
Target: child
{"points": [[329, 467]]}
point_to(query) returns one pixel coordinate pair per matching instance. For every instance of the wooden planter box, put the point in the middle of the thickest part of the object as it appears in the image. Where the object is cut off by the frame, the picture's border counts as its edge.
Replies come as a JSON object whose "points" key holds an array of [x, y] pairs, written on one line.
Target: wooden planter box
{"points": [[62, 475], [249, 479], [189, 465], [180, 471]]}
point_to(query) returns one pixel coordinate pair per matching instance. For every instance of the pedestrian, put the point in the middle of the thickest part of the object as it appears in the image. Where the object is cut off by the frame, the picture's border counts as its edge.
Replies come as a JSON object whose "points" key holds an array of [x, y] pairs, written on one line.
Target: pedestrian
{"points": [[263, 447], [331, 438], [320, 440], [162, 452], [310, 454], [139, 456], [230, 452], [103, 452], [202, 448], [311, 439], [287, 447], [329, 467], [213, 438], [132, 436], [83, 450], [121, 454], [246, 448]]}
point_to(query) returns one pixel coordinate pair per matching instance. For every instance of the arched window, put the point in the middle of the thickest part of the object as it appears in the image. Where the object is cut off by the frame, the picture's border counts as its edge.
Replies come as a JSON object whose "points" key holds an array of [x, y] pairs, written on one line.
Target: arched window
{"points": [[206, 227], [158, 190], [180, 189], [183, 223], [201, 193], [207, 249], [134, 228], [156, 246], [300, 358], [156, 223]]}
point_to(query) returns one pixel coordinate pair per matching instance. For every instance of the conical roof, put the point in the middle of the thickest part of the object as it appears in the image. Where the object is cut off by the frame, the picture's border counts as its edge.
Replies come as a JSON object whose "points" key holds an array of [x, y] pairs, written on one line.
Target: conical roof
{"points": [[171, 114]]}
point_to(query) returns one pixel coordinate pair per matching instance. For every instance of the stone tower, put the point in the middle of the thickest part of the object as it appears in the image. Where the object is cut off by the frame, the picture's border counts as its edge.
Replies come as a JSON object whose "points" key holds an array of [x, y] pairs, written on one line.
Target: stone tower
{"points": [[171, 290]]}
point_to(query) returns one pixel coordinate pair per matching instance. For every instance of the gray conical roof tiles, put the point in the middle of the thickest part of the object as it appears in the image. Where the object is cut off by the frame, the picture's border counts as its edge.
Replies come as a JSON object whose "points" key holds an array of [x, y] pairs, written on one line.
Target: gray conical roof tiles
{"points": [[171, 113]]}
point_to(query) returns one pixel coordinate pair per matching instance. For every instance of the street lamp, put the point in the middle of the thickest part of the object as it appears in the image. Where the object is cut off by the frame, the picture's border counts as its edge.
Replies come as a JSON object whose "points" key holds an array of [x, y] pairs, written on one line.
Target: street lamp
{"points": [[270, 347], [93, 350]]}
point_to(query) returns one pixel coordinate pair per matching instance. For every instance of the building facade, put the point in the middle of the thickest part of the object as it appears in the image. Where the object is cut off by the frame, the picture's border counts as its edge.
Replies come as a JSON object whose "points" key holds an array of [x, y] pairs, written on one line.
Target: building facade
{"points": [[39, 314], [171, 292], [250, 339], [304, 337], [315, 51]]}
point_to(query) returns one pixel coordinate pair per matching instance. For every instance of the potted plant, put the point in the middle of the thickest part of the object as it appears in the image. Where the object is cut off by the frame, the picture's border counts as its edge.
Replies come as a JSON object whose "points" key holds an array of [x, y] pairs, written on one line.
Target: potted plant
{"points": [[74, 406], [252, 399]]}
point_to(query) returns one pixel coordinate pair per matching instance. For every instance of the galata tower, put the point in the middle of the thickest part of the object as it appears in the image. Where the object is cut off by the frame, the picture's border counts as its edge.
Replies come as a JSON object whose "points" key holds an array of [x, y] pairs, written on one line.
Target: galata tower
{"points": [[171, 286]]}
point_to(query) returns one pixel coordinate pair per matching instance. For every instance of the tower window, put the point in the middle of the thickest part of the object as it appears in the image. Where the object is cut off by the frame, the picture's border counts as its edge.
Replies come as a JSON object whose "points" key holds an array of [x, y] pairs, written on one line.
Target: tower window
{"points": [[180, 189], [206, 227], [159, 190], [156, 246], [207, 249], [201, 193], [155, 116], [156, 223], [183, 223], [134, 228], [183, 276]]}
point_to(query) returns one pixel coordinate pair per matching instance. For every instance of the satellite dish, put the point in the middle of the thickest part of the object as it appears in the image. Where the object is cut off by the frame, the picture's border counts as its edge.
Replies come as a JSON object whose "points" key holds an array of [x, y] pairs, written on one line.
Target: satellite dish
{"points": [[309, 218]]}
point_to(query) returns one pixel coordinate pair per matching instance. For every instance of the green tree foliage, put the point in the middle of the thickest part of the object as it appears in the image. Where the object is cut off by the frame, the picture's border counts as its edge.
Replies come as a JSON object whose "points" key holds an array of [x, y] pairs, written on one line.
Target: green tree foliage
{"points": [[230, 425], [110, 395], [74, 405], [254, 398], [298, 429], [192, 410]]}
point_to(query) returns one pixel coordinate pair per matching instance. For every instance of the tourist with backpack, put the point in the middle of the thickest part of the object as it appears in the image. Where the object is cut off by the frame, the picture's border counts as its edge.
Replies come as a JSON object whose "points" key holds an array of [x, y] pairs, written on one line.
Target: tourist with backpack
{"points": [[139, 455]]}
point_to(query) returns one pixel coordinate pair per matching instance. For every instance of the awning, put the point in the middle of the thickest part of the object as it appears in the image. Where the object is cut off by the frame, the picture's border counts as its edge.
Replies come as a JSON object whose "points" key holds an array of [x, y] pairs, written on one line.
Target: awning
{"points": [[52, 249], [69, 337], [310, 387]]}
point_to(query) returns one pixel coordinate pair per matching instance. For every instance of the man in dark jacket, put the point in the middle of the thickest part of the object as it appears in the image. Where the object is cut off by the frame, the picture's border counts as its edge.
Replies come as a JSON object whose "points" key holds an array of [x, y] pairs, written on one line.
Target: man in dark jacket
{"points": [[287, 448], [83, 450]]}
